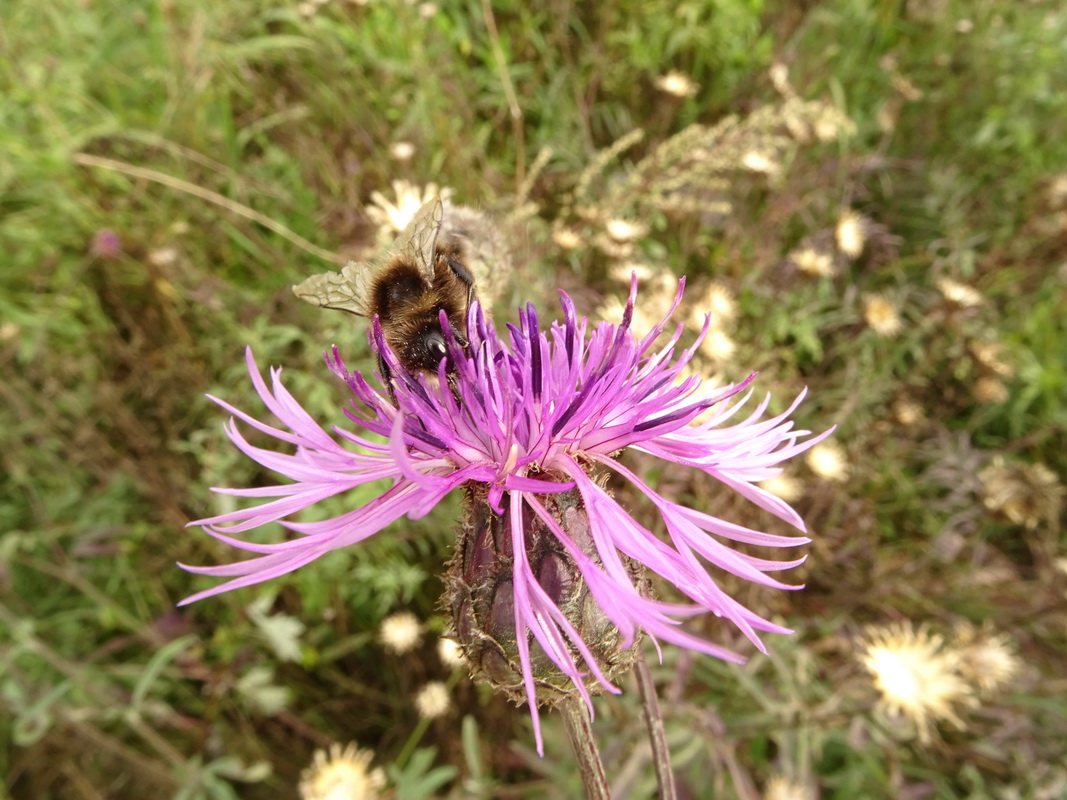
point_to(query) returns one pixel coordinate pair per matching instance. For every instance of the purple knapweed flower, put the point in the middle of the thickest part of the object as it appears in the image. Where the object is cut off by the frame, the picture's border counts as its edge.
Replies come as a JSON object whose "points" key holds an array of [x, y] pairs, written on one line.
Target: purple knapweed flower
{"points": [[526, 425], [105, 244]]}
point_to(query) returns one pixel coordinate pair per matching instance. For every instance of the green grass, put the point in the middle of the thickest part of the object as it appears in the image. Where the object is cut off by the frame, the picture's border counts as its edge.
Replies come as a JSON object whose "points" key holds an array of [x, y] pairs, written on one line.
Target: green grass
{"points": [[126, 116]]}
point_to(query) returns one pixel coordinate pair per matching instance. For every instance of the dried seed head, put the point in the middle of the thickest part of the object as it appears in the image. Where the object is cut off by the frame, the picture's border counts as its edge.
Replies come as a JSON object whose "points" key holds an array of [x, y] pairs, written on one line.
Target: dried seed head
{"points": [[677, 84], [987, 659], [1026, 494], [716, 300], [624, 230], [450, 653], [783, 486], [718, 346], [989, 390], [917, 676], [827, 460], [960, 294], [402, 151], [342, 773], [882, 315], [993, 356], [480, 596], [851, 234], [908, 412], [401, 632], [813, 261], [392, 217], [760, 162], [432, 700], [567, 238], [781, 788]]}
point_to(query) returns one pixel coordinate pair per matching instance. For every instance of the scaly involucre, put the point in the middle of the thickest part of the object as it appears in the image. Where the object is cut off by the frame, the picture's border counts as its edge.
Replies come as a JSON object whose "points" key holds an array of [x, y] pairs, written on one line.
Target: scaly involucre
{"points": [[526, 416]]}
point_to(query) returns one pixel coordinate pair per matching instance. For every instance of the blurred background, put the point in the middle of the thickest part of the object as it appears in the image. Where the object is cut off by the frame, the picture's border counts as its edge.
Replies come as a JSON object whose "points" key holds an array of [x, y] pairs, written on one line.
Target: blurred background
{"points": [[869, 197]]}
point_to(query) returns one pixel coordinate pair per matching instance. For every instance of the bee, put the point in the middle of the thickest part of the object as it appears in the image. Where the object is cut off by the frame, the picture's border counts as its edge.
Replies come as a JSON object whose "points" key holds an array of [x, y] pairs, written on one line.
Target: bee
{"points": [[407, 287]]}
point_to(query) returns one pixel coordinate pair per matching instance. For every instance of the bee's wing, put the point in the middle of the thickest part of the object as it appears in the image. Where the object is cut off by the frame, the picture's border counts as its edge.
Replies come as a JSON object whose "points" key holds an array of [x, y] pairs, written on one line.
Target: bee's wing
{"points": [[347, 290], [418, 241]]}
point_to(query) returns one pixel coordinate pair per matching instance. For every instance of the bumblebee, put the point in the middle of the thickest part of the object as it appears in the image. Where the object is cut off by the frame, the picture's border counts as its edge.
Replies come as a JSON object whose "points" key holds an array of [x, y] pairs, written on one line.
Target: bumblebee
{"points": [[407, 287]]}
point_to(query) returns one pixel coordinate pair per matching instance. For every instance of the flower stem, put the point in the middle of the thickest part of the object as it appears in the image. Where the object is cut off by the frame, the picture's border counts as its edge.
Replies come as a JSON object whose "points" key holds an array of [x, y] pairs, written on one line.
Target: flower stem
{"points": [[661, 757], [580, 733]]}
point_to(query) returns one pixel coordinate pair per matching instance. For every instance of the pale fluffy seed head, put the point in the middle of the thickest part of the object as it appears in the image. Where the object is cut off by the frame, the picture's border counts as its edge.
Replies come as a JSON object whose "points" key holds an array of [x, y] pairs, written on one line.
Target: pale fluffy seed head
{"points": [[987, 660], [677, 84], [392, 217], [993, 356], [718, 346], [402, 151], [645, 273], [851, 234], [759, 162], [783, 486], [1056, 192], [813, 262], [1026, 494], [916, 675], [567, 238], [781, 788], [401, 632], [342, 774], [960, 294], [989, 390], [432, 700], [624, 230], [881, 315], [907, 412], [450, 653], [719, 302], [827, 460]]}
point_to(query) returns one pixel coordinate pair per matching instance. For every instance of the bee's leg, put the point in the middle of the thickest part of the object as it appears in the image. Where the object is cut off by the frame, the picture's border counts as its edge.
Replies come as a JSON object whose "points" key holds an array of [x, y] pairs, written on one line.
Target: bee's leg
{"points": [[387, 377], [464, 275]]}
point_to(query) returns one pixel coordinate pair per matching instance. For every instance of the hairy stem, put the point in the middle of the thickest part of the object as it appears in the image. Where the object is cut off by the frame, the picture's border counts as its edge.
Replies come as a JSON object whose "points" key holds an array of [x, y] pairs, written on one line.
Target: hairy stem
{"points": [[661, 757], [580, 733]]}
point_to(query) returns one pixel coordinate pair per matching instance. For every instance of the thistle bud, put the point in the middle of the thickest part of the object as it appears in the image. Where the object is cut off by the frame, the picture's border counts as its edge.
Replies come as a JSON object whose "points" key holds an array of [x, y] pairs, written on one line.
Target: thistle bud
{"points": [[480, 595]]}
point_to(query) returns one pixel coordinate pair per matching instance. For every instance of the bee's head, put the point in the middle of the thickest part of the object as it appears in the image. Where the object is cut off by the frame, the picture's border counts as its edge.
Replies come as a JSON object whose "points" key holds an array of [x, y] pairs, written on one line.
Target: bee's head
{"points": [[425, 346], [434, 345]]}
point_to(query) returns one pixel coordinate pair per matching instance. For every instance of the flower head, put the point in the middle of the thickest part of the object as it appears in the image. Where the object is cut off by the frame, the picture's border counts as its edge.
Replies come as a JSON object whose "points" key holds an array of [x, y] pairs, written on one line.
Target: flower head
{"points": [[987, 659], [432, 700], [828, 461], [529, 425], [851, 234], [781, 788], [624, 230], [677, 84], [784, 486], [960, 294], [917, 675], [813, 261], [1026, 494], [402, 151], [450, 653], [343, 774], [719, 302], [401, 632], [105, 244], [392, 217], [882, 315]]}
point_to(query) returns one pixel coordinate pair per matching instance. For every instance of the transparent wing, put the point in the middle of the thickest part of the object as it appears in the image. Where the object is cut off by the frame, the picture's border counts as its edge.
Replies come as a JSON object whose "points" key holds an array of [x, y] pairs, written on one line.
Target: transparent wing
{"points": [[349, 289], [483, 250], [416, 244], [346, 290]]}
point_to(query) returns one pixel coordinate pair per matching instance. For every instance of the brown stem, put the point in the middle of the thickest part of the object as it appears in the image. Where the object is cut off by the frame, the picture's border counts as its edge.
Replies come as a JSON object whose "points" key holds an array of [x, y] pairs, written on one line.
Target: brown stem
{"points": [[661, 756], [580, 732]]}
